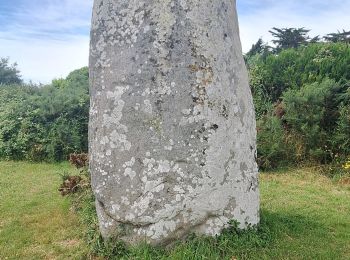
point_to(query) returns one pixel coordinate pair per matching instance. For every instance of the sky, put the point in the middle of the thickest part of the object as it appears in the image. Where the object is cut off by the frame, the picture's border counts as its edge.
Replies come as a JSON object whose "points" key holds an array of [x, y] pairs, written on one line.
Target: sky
{"points": [[50, 38]]}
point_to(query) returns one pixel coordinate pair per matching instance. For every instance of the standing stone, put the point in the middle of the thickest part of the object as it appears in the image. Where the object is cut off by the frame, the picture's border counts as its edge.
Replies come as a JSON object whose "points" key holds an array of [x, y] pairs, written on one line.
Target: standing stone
{"points": [[172, 126]]}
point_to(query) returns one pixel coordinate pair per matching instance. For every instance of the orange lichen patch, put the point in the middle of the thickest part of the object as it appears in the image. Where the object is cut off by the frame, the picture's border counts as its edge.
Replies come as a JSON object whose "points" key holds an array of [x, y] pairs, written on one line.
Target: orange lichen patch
{"points": [[208, 73], [193, 67]]}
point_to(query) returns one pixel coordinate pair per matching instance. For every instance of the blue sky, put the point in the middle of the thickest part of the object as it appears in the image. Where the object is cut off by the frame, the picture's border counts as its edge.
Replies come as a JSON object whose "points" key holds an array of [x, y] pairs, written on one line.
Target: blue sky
{"points": [[50, 38]]}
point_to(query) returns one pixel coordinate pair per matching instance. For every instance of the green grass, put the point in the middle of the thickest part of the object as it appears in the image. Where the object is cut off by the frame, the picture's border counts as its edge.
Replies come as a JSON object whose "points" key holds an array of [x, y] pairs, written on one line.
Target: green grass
{"points": [[305, 215], [35, 221]]}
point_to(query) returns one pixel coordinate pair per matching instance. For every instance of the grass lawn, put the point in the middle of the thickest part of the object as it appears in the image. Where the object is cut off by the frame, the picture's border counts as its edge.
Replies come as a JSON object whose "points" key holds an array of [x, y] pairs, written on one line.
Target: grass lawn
{"points": [[35, 221], [304, 216]]}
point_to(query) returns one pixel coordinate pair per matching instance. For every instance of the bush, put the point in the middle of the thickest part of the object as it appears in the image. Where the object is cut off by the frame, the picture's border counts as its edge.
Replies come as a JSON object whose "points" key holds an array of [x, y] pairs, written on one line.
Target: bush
{"points": [[311, 124], [341, 135], [277, 147], [312, 112], [9, 74], [294, 68], [45, 123]]}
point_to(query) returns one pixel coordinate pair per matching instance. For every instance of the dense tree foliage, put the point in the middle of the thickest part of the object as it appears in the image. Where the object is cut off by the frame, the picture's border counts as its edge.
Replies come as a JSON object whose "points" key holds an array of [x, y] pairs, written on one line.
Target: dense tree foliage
{"points": [[46, 123], [286, 38], [292, 68], [9, 74], [260, 47], [343, 36], [301, 95], [302, 104]]}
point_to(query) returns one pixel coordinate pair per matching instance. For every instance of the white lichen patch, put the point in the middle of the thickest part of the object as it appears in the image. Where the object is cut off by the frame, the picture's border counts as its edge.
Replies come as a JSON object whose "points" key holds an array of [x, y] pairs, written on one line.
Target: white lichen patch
{"points": [[129, 172], [129, 163], [117, 138], [125, 200], [147, 106], [164, 166], [198, 114], [162, 228], [119, 141], [164, 19], [168, 148], [115, 208]]}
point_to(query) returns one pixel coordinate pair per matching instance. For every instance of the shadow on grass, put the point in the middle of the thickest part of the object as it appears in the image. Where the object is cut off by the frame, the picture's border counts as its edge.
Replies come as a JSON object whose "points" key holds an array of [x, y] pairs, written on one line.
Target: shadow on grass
{"points": [[287, 222], [270, 239], [252, 243]]}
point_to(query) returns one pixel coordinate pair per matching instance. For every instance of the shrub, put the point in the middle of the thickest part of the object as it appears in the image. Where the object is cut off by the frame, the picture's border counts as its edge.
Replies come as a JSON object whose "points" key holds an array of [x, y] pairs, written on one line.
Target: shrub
{"points": [[312, 112], [341, 135], [45, 123], [293, 68], [272, 149], [9, 74]]}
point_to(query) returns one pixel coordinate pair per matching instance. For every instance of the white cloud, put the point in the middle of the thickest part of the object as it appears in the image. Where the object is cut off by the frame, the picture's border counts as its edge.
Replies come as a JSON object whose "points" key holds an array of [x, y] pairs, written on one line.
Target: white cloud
{"points": [[49, 38], [48, 18], [42, 60]]}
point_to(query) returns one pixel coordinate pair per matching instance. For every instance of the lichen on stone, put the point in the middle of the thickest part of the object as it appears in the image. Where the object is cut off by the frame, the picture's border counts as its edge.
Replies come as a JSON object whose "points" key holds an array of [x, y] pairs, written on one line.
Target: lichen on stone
{"points": [[172, 128]]}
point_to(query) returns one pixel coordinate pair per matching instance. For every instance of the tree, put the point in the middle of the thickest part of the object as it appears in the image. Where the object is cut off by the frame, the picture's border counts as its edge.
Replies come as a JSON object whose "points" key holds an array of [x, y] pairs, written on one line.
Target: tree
{"points": [[338, 37], [258, 48], [293, 68], [9, 74], [312, 112], [45, 123], [290, 37]]}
